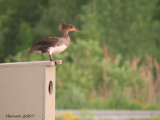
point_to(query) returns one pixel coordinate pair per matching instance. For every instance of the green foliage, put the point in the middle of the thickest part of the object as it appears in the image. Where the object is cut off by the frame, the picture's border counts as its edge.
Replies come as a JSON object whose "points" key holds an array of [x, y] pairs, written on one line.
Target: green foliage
{"points": [[58, 12], [73, 96], [92, 80], [126, 26], [23, 23], [18, 18], [91, 77]]}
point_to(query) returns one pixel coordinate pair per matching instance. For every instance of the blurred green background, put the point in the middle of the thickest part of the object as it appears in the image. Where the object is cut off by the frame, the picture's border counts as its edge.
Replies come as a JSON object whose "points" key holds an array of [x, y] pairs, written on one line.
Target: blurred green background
{"points": [[112, 64]]}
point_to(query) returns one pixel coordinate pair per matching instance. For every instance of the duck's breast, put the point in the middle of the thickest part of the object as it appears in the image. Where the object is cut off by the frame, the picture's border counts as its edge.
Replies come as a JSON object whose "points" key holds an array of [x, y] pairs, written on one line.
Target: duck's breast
{"points": [[56, 49]]}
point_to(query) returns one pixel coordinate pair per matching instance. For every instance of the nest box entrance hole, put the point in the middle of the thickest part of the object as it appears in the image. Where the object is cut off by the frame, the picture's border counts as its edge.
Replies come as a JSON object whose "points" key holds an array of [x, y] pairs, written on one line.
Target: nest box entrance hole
{"points": [[50, 87]]}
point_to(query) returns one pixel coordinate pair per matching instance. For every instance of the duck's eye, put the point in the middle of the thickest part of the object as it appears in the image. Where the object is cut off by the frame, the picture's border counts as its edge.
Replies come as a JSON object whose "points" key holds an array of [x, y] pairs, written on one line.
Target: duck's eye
{"points": [[71, 26]]}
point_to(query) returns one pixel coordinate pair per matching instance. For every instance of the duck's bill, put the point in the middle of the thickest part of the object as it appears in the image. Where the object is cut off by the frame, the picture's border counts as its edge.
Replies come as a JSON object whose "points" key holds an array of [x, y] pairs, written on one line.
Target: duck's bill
{"points": [[75, 30]]}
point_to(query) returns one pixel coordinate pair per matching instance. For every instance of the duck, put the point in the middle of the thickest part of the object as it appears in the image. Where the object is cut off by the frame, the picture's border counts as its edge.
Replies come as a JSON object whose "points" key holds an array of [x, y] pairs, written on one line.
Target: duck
{"points": [[54, 45]]}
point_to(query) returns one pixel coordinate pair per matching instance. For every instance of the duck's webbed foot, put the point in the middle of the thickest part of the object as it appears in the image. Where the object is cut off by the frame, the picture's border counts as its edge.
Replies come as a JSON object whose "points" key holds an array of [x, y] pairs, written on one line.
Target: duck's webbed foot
{"points": [[57, 62]]}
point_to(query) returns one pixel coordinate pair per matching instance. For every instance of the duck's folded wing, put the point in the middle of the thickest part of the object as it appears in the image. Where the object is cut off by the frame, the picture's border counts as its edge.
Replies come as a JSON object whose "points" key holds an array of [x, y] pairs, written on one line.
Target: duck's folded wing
{"points": [[43, 45]]}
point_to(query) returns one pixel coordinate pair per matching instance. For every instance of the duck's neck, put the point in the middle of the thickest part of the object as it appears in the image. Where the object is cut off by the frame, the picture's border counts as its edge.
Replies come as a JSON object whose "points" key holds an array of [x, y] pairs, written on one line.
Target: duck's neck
{"points": [[65, 34], [66, 37]]}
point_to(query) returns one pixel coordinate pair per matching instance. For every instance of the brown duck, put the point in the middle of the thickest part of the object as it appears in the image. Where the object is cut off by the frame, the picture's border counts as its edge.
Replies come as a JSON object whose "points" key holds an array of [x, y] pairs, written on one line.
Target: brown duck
{"points": [[53, 45]]}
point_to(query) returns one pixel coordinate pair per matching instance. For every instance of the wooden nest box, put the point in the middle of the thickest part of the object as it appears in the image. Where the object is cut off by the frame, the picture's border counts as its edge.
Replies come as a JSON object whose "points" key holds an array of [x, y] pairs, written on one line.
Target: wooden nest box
{"points": [[27, 90]]}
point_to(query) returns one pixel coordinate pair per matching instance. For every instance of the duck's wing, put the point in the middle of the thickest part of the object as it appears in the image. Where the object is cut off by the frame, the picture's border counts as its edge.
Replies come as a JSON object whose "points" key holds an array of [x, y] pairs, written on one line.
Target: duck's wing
{"points": [[43, 45], [50, 41]]}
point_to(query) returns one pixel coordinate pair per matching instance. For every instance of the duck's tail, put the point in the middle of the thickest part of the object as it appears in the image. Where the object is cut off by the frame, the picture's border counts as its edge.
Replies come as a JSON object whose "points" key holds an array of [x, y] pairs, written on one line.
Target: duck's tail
{"points": [[29, 52]]}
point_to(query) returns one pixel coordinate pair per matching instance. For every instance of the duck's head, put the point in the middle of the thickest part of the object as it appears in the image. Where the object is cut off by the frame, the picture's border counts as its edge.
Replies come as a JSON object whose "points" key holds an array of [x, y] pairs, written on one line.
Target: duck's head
{"points": [[67, 28]]}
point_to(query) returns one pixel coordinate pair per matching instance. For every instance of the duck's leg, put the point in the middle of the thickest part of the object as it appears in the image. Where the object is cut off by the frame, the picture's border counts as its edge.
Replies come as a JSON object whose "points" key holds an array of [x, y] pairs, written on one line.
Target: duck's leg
{"points": [[56, 61], [51, 58]]}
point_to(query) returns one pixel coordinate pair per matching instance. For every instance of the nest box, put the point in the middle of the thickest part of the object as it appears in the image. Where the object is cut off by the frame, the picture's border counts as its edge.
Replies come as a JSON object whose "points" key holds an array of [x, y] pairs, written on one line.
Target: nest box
{"points": [[27, 90]]}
